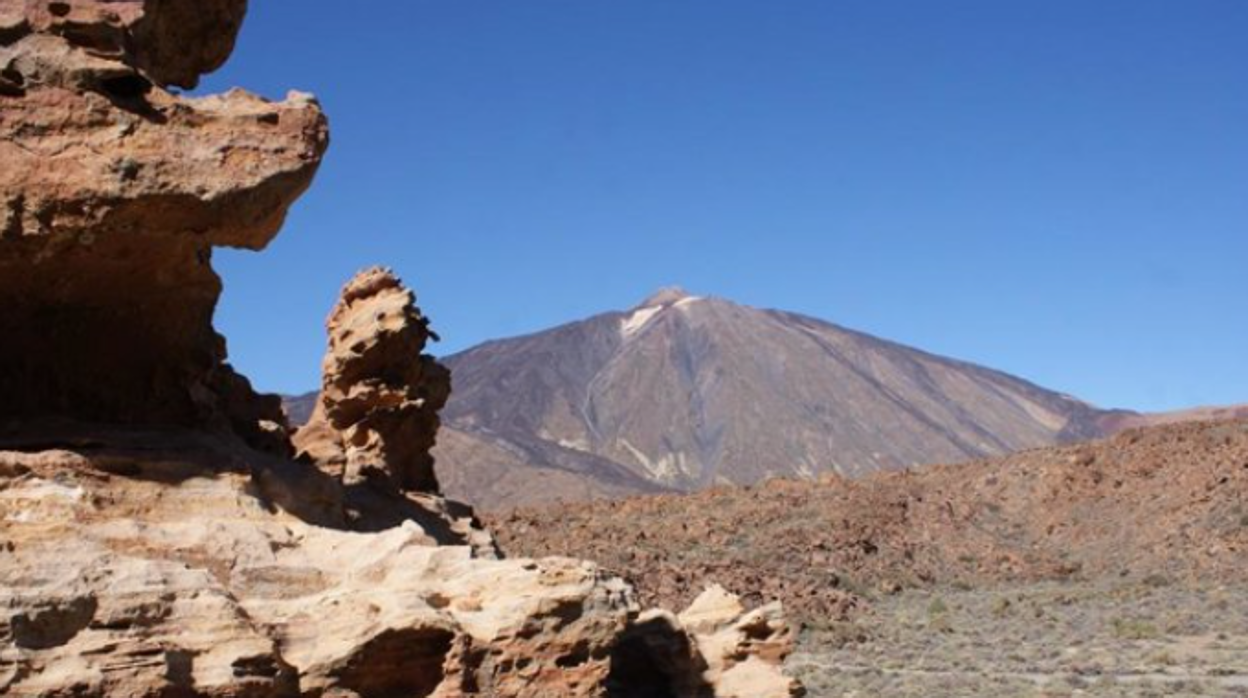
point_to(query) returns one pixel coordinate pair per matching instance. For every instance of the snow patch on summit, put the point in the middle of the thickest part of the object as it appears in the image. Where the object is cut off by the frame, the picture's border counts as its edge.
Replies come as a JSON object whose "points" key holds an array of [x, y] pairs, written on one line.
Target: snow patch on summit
{"points": [[633, 323]]}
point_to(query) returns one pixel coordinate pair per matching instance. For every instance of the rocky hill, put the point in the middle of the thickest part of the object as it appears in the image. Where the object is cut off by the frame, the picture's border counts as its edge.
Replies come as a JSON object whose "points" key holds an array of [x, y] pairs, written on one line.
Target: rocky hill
{"points": [[1114, 422], [158, 536], [1165, 502]]}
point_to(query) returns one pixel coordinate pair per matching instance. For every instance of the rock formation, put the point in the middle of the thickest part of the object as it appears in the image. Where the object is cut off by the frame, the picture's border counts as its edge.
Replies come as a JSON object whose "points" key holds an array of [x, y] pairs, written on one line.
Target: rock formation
{"points": [[112, 195], [137, 570], [156, 539], [716, 648], [377, 417]]}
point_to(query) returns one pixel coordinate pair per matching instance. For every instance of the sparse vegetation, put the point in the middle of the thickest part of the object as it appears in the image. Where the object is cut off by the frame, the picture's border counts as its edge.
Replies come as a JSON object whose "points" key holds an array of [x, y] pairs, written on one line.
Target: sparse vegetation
{"points": [[1039, 641], [1135, 629]]}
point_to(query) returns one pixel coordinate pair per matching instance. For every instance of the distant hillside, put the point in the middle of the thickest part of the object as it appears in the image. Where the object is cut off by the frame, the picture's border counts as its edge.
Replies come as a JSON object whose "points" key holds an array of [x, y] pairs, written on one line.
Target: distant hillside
{"points": [[1114, 422], [299, 407], [1162, 502]]}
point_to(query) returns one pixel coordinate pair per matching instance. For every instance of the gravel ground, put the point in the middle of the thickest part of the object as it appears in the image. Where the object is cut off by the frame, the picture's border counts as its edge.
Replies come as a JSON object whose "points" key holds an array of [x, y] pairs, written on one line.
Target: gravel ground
{"points": [[1151, 638]]}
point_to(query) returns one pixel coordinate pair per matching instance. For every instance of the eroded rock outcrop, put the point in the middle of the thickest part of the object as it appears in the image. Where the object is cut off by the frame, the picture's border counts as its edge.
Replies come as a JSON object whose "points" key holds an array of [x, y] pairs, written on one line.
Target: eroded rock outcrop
{"points": [[145, 548], [714, 648], [171, 42], [115, 581], [114, 191], [377, 417], [743, 650]]}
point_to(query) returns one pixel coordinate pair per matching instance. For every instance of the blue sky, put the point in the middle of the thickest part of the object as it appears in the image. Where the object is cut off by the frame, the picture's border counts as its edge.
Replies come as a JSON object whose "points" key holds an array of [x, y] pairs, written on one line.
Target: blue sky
{"points": [[1055, 188]]}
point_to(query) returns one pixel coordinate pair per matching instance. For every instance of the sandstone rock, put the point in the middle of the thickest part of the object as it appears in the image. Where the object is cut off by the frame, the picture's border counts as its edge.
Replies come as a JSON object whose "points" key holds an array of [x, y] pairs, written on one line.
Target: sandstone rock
{"points": [[714, 649], [172, 42], [744, 651], [176, 578], [154, 563], [377, 417], [113, 194]]}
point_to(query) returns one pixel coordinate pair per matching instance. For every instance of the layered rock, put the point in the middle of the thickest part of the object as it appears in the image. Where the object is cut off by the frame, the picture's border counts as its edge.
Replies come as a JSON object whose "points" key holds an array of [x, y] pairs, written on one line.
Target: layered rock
{"points": [[714, 648], [124, 574], [112, 195], [377, 417], [171, 42], [145, 548]]}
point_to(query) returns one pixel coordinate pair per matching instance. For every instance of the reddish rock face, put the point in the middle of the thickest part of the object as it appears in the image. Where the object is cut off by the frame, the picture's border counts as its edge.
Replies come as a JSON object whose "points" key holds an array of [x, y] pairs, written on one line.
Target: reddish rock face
{"points": [[172, 42], [377, 417], [113, 194]]}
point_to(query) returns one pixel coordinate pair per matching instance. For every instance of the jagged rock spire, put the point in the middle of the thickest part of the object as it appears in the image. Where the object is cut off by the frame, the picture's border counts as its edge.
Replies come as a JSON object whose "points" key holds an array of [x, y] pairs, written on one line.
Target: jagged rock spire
{"points": [[380, 394]]}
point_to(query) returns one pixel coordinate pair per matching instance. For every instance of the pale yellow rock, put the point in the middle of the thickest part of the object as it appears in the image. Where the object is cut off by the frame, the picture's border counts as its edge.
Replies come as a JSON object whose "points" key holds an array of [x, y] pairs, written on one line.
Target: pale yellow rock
{"points": [[744, 651], [713, 609], [754, 678], [126, 586]]}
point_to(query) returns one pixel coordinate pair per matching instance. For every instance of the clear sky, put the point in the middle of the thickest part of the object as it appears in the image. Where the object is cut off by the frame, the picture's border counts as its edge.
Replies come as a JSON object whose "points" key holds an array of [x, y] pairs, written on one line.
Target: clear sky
{"points": [[1055, 188]]}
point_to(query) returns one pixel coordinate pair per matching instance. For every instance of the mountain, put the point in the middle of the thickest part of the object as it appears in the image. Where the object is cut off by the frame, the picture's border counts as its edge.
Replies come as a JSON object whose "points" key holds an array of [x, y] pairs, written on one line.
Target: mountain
{"points": [[685, 392]]}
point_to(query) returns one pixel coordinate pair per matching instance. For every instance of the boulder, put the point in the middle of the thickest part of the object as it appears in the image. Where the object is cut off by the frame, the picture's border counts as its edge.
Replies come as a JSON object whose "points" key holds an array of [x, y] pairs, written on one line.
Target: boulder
{"points": [[744, 651]]}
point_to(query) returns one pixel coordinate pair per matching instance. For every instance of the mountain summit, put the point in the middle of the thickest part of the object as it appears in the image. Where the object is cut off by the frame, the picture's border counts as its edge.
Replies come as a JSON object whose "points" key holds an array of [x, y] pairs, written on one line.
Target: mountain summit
{"points": [[665, 296], [684, 392]]}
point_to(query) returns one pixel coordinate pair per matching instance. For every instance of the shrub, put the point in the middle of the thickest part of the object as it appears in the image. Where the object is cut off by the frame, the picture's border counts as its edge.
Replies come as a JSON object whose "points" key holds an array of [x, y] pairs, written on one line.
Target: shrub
{"points": [[1135, 629]]}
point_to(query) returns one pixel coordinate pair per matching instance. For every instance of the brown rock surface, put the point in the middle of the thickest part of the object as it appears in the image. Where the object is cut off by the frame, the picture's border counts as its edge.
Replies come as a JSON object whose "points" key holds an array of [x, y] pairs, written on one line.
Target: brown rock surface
{"points": [[170, 42], [377, 417], [1169, 501], [113, 194], [1115, 422]]}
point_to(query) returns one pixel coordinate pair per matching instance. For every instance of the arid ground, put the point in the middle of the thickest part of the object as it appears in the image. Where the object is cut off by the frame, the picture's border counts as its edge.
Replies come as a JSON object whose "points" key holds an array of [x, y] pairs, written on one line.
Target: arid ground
{"points": [[1152, 638], [1113, 568]]}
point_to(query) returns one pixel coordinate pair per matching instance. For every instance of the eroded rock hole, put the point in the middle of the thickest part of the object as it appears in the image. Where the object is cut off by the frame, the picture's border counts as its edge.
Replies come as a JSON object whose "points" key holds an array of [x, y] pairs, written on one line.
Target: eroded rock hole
{"points": [[578, 656], [398, 663], [12, 83], [127, 88], [54, 625], [654, 659]]}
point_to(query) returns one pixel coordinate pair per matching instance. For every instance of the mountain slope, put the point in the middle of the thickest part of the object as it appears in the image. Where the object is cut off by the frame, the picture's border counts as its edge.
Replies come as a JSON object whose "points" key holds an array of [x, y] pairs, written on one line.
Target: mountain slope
{"points": [[684, 393]]}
